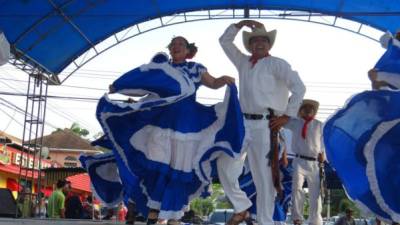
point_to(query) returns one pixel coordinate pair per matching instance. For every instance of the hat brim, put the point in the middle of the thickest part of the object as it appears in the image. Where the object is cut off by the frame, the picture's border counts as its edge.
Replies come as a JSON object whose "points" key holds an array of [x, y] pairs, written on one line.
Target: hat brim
{"points": [[271, 35], [311, 102]]}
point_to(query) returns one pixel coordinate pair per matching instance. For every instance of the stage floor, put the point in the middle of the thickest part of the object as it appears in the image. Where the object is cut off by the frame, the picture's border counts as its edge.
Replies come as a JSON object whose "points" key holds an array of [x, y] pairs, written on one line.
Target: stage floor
{"points": [[10, 221]]}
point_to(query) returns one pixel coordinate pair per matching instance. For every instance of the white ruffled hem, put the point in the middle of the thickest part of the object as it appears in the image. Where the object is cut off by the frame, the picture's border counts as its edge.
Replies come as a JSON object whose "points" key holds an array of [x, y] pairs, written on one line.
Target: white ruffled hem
{"points": [[169, 214], [111, 171], [369, 149], [183, 151]]}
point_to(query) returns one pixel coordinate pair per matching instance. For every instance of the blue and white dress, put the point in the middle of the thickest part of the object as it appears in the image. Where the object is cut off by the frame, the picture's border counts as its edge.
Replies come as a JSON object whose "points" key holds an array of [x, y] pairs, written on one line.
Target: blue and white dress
{"points": [[362, 145], [362, 141], [165, 145]]}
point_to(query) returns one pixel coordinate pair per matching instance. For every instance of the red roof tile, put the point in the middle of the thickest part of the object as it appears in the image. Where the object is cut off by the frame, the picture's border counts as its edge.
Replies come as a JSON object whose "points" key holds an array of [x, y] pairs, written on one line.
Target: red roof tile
{"points": [[80, 182]]}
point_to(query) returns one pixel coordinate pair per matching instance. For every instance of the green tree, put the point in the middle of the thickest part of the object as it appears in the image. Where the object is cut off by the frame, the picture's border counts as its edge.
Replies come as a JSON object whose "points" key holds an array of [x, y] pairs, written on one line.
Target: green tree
{"points": [[347, 203], [339, 202], [204, 206], [76, 129]]}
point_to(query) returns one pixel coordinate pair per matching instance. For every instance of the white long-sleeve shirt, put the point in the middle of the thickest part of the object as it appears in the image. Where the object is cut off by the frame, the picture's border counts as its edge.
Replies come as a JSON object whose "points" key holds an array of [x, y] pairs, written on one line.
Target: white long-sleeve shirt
{"points": [[267, 83], [311, 146]]}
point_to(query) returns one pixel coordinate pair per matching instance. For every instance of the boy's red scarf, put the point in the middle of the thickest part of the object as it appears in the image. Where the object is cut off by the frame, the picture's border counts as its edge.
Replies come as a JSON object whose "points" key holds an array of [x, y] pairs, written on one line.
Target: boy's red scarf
{"points": [[307, 120]]}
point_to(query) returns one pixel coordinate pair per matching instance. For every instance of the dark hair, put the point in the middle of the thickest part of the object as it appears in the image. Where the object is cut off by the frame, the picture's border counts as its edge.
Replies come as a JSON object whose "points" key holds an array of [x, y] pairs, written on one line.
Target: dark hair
{"points": [[190, 46], [89, 199], [397, 36], [348, 210], [61, 183]]}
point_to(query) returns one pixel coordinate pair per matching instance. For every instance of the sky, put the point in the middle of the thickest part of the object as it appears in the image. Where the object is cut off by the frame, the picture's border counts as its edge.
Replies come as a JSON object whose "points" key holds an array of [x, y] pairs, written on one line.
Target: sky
{"points": [[332, 62]]}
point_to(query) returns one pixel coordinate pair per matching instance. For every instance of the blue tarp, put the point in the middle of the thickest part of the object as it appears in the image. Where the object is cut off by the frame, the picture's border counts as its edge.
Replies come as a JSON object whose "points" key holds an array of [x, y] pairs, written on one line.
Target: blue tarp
{"points": [[52, 33]]}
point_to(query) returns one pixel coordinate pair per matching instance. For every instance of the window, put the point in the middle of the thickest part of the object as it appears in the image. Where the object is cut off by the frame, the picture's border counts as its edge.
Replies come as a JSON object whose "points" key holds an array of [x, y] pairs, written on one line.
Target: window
{"points": [[70, 164], [70, 158]]}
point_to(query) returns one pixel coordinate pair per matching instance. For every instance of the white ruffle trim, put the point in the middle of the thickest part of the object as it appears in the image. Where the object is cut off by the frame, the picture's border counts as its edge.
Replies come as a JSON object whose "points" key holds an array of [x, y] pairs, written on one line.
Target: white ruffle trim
{"points": [[108, 204], [186, 86], [111, 171], [369, 149], [183, 151], [169, 214], [362, 206]]}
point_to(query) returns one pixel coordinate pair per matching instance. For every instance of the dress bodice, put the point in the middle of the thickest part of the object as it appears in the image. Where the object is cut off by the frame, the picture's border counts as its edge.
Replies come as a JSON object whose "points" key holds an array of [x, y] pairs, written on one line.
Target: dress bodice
{"points": [[191, 69]]}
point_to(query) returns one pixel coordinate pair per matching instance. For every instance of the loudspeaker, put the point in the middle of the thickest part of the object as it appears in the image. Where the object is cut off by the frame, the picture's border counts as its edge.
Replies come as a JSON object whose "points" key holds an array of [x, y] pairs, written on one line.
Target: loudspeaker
{"points": [[8, 205]]}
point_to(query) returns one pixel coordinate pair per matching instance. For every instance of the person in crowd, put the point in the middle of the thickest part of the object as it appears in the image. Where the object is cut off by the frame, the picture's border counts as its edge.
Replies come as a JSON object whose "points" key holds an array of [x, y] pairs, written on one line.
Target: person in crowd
{"points": [[73, 207], [89, 209], [109, 213], [265, 83], [41, 206], [25, 203], [122, 211], [56, 201], [347, 218], [131, 213]]}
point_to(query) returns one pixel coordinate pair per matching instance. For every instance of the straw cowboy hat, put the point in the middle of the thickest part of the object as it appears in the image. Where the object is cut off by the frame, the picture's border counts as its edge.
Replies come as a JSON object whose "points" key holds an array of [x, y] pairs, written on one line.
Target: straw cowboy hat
{"points": [[311, 102], [258, 32]]}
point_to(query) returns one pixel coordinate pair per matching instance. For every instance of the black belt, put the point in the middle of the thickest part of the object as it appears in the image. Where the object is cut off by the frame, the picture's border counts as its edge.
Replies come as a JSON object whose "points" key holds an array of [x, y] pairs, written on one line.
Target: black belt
{"points": [[306, 157], [256, 116]]}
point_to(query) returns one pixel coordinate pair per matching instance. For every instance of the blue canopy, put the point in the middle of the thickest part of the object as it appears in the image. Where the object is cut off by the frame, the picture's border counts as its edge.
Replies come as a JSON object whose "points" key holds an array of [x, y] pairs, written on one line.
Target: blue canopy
{"points": [[50, 34]]}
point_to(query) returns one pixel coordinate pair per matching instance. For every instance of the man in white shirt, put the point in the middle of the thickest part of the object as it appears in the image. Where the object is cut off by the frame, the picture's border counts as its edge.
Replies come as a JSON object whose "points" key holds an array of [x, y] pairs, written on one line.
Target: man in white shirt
{"points": [[265, 83], [307, 145]]}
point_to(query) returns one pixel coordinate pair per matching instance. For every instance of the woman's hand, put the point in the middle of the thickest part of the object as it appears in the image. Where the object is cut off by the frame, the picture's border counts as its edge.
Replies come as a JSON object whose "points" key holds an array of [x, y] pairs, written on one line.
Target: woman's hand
{"points": [[226, 80], [372, 74], [111, 89], [215, 83]]}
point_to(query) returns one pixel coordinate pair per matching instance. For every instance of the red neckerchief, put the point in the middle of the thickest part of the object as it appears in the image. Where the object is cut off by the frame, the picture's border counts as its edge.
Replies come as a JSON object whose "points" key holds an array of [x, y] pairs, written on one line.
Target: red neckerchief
{"points": [[254, 60], [307, 120]]}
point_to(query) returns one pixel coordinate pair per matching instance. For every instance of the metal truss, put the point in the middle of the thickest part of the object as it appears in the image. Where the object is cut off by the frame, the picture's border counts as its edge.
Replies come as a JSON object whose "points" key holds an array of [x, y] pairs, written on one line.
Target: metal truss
{"points": [[31, 67], [35, 113], [23, 62], [185, 17]]}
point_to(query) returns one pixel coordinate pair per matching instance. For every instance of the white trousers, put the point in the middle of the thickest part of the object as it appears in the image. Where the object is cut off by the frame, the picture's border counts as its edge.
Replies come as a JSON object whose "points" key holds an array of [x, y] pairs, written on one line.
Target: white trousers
{"points": [[257, 145], [312, 179]]}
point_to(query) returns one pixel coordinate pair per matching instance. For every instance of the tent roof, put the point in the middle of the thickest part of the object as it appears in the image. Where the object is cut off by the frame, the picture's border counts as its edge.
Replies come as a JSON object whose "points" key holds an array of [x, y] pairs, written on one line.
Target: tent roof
{"points": [[50, 34]]}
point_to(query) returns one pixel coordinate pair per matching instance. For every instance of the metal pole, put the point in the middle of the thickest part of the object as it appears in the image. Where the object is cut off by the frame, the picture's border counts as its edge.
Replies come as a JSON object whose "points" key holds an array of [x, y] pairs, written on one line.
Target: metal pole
{"points": [[23, 139], [328, 202], [39, 184], [92, 207]]}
